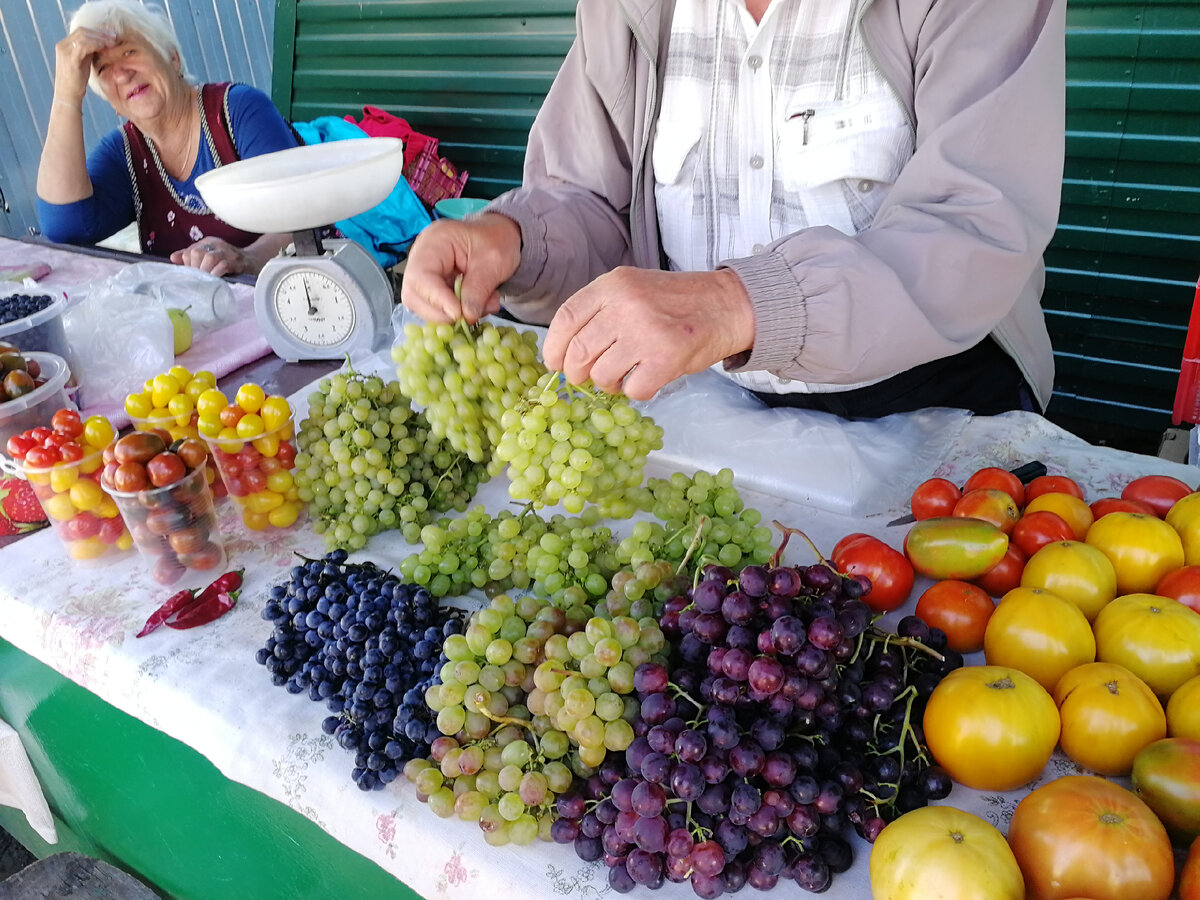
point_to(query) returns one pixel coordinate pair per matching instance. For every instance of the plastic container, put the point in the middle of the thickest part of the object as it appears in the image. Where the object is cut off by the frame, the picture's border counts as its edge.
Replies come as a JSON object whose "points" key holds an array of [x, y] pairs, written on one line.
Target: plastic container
{"points": [[458, 207], [39, 405], [174, 527], [41, 331], [85, 518], [257, 474]]}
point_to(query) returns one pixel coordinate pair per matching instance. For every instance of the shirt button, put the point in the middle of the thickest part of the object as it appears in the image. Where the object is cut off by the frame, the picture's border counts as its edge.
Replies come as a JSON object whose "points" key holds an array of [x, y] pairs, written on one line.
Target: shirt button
{"points": [[756, 162], [866, 186], [757, 248], [754, 61]]}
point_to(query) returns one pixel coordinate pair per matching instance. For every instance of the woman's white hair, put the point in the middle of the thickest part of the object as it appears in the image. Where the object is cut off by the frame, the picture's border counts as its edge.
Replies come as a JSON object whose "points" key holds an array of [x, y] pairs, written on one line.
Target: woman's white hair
{"points": [[125, 17]]}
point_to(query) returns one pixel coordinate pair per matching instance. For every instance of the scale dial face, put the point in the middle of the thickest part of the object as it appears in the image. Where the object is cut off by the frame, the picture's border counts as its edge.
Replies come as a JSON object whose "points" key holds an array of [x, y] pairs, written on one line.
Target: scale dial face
{"points": [[314, 308]]}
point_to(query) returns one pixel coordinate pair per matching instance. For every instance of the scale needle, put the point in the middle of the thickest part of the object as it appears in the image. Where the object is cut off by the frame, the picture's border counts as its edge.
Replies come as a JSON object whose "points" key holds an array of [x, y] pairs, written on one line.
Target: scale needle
{"points": [[312, 310]]}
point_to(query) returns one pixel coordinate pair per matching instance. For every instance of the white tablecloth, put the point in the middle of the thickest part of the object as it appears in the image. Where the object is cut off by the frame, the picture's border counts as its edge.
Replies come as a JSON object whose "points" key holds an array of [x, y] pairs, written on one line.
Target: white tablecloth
{"points": [[204, 687]]}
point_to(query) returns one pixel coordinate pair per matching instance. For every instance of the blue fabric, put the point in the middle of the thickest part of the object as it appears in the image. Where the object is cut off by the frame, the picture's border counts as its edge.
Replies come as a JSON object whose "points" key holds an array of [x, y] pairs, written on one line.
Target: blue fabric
{"points": [[388, 229], [257, 128]]}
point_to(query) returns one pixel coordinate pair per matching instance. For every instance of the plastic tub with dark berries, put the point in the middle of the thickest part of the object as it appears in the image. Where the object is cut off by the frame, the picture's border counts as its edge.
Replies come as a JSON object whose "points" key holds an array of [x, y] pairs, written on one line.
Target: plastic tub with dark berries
{"points": [[32, 319]]}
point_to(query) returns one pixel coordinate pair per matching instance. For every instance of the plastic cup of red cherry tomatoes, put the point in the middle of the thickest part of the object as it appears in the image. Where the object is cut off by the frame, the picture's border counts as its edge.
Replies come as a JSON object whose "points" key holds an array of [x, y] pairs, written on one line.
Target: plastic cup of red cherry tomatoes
{"points": [[63, 462], [161, 488], [252, 440]]}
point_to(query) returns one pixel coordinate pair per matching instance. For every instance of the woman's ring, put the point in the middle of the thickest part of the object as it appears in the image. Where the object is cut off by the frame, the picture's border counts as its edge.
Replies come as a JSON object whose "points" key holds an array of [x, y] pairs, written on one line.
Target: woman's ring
{"points": [[210, 248]]}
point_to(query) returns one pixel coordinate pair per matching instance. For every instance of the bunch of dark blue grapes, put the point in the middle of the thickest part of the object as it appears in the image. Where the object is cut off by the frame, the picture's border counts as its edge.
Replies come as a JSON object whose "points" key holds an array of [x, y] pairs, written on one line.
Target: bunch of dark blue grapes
{"points": [[20, 306], [366, 644]]}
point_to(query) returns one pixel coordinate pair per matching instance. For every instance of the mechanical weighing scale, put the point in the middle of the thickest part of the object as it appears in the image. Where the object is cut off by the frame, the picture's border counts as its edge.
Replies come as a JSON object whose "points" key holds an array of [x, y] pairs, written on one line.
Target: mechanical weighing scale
{"points": [[325, 297]]}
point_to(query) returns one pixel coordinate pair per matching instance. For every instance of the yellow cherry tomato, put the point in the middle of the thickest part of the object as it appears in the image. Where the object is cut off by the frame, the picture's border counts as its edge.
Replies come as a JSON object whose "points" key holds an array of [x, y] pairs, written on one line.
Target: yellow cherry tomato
{"points": [[181, 374], [250, 397], [1183, 710], [1142, 549], [1074, 510], [268, 445], [249, 426], [1075, 571], [209, 427], [280, 482], [91, 463], [262, 501], [59, 507], [285, 515], [255, 521], [125, 541], [106, 508], [275, 411], [229, 440], [98, 431], [1039, 633], [86, 495], [138, 406], [205, 376], [210, 403], [1108, 715], [165, 387], [88, 548], [62, 477], [1156, 638]]}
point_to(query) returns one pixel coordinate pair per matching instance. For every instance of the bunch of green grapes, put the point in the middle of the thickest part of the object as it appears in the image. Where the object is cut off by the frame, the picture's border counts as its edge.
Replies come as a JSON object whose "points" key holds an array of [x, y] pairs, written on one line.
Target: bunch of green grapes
{"points": [[465, 377], [642, 590], [576, 445], [566, 560], [697, 520], [368, 463]]}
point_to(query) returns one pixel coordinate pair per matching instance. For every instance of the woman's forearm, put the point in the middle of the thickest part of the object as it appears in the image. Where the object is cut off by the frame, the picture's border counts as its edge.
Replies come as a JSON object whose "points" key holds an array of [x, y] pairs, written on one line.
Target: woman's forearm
{"points": [[62, 172]]}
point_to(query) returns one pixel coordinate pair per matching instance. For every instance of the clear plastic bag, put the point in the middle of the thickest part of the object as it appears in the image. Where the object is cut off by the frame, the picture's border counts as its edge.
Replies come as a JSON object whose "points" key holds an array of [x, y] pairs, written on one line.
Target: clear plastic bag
{"points": [[209, 301], [853, 468]]}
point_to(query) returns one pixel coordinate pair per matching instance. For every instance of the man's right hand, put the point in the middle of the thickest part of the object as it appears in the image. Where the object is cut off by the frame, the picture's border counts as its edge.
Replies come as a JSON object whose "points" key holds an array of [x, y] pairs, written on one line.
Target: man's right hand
{"points": [[484, 250]]}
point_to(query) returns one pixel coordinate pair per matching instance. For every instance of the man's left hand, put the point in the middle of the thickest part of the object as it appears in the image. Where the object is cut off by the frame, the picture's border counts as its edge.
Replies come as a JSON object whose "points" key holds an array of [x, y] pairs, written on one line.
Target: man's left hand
{"points": [[635, 330]]}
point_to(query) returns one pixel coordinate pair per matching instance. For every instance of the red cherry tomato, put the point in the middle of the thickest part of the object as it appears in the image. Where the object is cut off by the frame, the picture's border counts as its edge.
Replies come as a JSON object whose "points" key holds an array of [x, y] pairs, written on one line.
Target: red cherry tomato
{"points": [[934, 497], [1106, 505], [997, 479], [1182, 584], [1004, 575], [19, 444], [1037, 529], [42, 457], [1158, 491], [71, 452], [1052, 484], [889, 571], [67, 422], [960, 609]]}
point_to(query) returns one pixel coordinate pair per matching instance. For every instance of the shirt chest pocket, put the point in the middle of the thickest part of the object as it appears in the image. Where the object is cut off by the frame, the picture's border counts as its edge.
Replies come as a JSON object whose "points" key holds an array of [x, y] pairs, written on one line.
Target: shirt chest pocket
{"points": [[868, 141], [676, 142]]}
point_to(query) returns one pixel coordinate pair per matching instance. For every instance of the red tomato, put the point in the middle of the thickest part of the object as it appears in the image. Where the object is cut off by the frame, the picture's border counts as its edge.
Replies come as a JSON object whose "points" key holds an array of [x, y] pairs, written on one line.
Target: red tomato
{"points": [[42, 457], [1189, 881], [1106, 505], [960, 609], [890, 573], [995, 478], [1183, 585], [991, 505], [1083, 836], [67, 422], [1004, 575], [934, 497], [1158, 491], [1037, 529], [19, 445], [1052, 484]]}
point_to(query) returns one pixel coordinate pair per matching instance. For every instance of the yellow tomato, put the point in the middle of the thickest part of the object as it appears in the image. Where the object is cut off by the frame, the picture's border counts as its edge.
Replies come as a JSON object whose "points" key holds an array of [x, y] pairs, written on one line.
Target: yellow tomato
{"points": [[1189, 534], [181, 374], [210, 403], [1156, 638], [940, 851], [992, 728], [165, 387], [251, 426], [1108, 715], [1183, 710], [285, 515], [88, 548], [250, 397], [98, 431], [275, 411], [1074, 510], [1141, 548], [138, 405], [1075, 571], [86, 495], [1039, 633], [1185, 510], [63, 476]]}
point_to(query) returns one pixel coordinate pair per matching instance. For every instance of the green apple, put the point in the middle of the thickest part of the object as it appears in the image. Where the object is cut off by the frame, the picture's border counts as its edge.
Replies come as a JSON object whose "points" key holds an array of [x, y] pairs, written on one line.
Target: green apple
{"points": [[181, 322]]}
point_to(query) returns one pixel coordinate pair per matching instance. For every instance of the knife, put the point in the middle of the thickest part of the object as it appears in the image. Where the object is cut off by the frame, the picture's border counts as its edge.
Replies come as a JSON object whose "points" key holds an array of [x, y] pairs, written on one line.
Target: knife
{"points": [[1026, 473]]}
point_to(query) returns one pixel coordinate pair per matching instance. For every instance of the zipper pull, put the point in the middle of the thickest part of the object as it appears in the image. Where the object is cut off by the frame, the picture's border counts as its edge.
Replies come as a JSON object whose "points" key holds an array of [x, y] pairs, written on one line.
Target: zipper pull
{"points": [[806, 115]]}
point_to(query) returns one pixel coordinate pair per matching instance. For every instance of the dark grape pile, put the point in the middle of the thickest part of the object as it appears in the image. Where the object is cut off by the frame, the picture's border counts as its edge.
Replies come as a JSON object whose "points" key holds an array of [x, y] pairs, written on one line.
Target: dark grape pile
{"points": [[786, 719], [366, 644], [19, 306]]}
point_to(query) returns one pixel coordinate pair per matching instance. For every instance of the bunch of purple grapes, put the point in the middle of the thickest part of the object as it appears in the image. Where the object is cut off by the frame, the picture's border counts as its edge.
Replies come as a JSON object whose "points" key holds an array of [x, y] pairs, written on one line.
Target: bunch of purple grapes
{"points": [[786, 720]]}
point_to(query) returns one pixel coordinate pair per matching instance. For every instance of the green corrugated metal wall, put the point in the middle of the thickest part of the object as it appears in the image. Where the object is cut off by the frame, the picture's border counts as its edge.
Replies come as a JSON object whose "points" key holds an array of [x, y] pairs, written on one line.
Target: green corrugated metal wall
{"points": [[1122, 268]]}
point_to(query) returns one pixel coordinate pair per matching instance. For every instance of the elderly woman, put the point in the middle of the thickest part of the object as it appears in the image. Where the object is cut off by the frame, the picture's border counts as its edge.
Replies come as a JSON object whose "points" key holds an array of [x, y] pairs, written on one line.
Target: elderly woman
{"points": [[146, 170]]}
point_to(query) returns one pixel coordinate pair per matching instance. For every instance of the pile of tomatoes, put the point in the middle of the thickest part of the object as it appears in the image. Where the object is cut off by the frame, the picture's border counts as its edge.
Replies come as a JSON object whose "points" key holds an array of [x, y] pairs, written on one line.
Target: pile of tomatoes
{"points": [[1093, 647]]}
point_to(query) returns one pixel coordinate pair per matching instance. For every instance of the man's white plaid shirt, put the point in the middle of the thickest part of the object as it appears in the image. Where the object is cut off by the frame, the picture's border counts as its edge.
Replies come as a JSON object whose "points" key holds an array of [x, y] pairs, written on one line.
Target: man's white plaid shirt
{"points": [[770, 128]]}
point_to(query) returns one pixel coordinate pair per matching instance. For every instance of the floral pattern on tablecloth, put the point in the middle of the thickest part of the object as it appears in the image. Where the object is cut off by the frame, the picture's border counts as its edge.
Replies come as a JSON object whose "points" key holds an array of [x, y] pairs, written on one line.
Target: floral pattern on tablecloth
{"points": [[205, 688]]}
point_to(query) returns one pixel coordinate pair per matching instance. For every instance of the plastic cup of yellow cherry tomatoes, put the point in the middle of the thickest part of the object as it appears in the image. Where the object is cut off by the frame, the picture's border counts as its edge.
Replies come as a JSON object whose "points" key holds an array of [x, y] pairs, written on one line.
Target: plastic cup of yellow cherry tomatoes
{"points": [[252, 441], [170, 401], [65, 476]]}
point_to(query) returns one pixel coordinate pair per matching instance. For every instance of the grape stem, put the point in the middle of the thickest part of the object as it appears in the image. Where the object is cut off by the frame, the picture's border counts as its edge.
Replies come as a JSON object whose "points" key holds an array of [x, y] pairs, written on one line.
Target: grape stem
{"points": [[697, 830], [788, 531], [697, 540], [887, 639], [680, 692]]}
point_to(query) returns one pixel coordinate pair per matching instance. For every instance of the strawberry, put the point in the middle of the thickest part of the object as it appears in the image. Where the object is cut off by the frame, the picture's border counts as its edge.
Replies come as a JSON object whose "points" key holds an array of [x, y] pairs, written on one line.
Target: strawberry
{"points": [[20, 511]]}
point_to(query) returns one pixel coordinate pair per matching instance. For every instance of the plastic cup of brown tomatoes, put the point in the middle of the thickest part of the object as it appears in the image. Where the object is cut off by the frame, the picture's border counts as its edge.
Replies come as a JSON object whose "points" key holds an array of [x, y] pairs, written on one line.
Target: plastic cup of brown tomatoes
{"points": [[161, 486]]}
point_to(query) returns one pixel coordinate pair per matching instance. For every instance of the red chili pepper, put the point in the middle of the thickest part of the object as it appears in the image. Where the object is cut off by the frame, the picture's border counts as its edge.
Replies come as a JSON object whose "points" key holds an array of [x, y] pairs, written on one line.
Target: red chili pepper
{"points": [[177, 602], [197, 609], [208, 610]]}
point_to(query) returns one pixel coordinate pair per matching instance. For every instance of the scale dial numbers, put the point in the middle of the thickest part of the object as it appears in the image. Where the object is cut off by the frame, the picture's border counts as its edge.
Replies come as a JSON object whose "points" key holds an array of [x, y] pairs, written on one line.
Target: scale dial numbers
{"points": [[314, 308]]}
